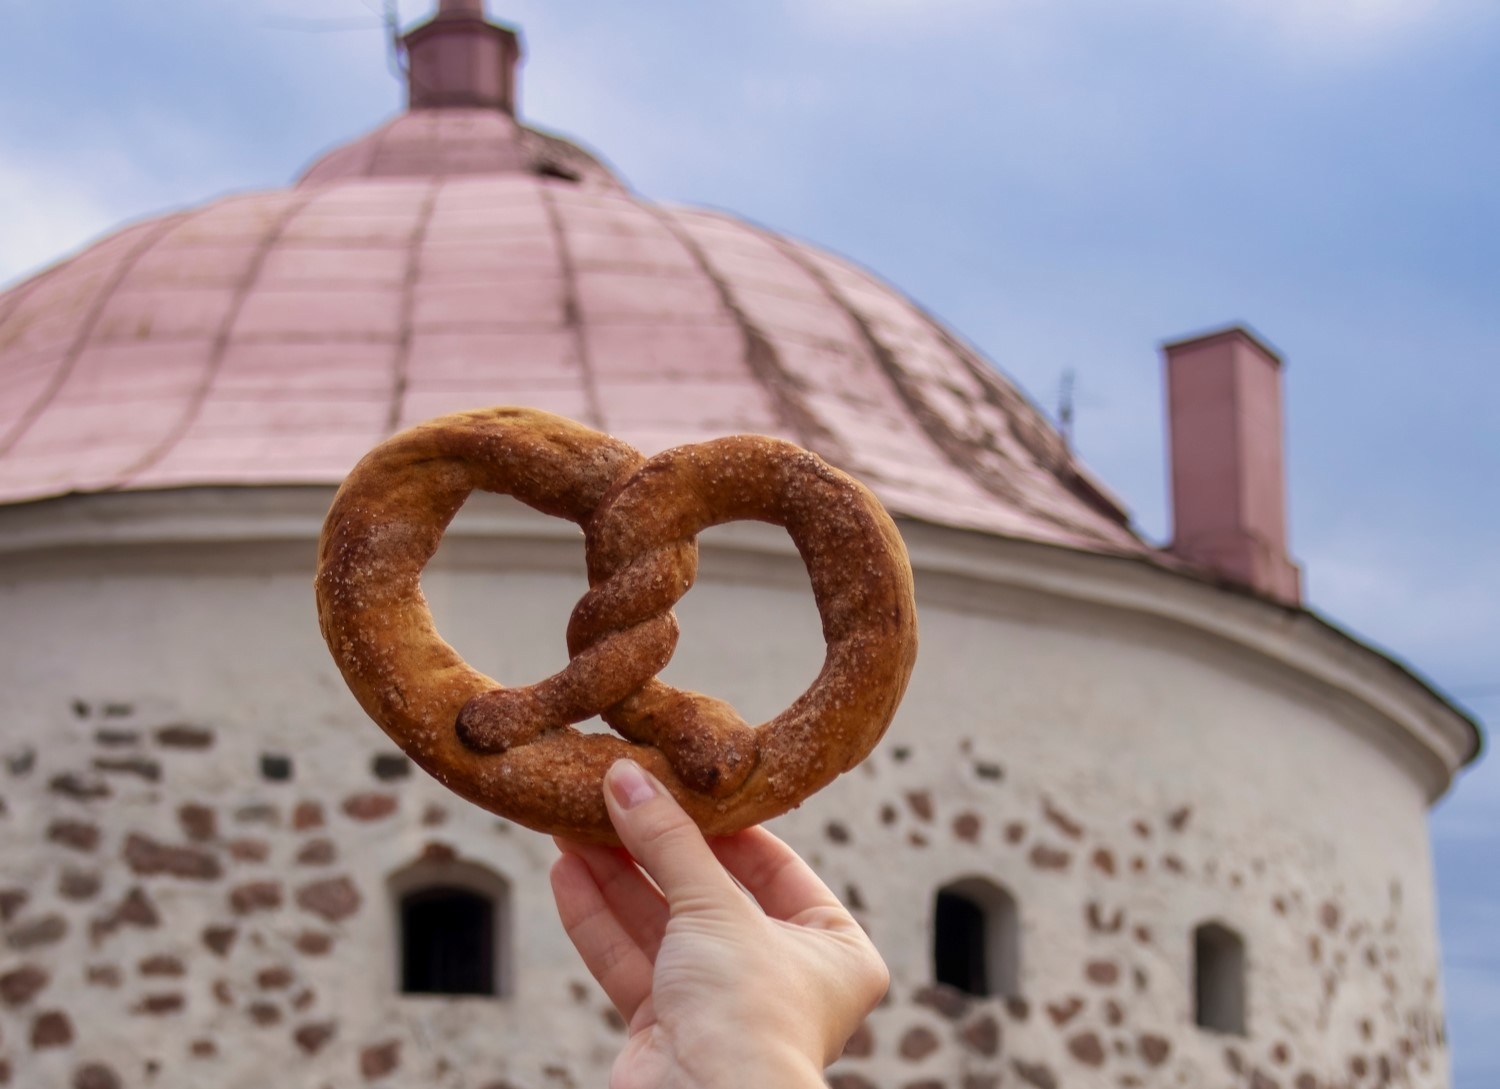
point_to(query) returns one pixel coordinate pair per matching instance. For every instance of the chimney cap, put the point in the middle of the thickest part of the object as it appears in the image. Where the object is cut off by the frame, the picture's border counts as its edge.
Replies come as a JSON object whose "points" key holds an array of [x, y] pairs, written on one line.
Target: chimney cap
{"points": [[1235, 330]]}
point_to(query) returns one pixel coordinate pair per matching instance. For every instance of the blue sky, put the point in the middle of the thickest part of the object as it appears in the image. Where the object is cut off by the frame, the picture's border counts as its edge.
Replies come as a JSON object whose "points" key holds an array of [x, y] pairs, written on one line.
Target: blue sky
{"points": [[1067, 182]]}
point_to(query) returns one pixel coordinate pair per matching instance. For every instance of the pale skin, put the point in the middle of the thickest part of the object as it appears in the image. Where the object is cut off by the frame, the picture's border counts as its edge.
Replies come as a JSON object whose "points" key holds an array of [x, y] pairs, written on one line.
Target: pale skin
{"points": [[720, 989]]}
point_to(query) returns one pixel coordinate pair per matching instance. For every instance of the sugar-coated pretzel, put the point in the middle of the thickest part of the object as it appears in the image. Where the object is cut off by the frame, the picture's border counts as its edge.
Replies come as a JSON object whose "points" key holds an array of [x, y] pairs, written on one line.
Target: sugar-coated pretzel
{"points": [[512, 750]]}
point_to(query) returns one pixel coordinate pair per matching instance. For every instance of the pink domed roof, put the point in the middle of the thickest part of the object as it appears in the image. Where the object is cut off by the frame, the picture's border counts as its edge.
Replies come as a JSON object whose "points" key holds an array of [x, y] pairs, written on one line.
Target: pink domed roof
{"points": [[273, 338]]}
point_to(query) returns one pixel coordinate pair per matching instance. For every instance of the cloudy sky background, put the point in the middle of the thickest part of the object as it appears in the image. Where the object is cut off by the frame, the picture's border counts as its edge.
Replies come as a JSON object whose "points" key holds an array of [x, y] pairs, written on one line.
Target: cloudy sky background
{"points": [[1067, 182]]}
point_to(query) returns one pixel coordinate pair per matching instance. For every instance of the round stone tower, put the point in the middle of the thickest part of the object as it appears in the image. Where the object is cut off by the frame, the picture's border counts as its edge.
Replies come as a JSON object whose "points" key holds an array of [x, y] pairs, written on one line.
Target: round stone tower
{"points": [[1143, 819]]}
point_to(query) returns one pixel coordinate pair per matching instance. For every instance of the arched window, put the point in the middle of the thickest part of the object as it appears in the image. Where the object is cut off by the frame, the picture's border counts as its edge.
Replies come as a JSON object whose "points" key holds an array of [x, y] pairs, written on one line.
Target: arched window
{"points": [[452, 923], [1219, 978], [976, 939]]}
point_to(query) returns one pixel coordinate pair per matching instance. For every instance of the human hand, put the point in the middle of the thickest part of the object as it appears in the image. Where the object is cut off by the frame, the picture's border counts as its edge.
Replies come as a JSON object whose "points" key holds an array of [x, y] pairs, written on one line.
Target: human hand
{"points": [[718, 990]]}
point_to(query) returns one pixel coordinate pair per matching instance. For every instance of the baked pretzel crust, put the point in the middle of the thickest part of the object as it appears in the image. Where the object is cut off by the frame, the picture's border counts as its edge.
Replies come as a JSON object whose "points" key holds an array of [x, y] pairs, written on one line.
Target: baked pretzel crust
{"points": [[513, 751]]}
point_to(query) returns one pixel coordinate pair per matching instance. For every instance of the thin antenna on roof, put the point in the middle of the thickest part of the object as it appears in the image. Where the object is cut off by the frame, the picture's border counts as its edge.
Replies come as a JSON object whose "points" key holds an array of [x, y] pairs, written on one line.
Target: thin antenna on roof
{"points": [[1065, 405]]}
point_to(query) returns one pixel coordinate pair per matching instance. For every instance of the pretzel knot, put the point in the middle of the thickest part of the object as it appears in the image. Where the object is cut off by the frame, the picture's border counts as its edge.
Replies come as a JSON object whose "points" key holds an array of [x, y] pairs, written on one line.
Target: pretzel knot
{"points": [[514, 751]]}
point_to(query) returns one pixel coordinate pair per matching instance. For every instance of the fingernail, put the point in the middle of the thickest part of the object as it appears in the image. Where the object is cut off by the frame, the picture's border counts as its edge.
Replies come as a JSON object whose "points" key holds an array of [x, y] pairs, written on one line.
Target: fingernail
{"points": [[630, 784]]}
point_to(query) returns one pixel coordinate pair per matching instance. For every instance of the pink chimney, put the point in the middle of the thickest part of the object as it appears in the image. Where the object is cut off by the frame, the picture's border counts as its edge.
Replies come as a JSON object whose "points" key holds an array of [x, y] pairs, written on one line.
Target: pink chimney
{"points": [[1228, 465], [459, 58]]}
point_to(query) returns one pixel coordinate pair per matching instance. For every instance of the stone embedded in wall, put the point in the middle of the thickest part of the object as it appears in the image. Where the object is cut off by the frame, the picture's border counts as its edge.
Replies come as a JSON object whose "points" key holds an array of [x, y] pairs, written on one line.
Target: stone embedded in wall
{"points": [[46, 930], [203, 1049], [219, 938], [966, 827], [11, 903], [20, 985], [1105, 973], [249, 850], [849, 1081], [982, 1035], [103, 975], [317, 852], [947, 1001], [334, 899], [160, 1004], [277, 978], [264, 1014], [161, 964], [314, 943], [257, 813], [1061, 1013], [78, 884], [918, 1043], [1103, 861], [380, 1059], [1061, 820], [1037, 1074], [149, 858], [1087, 1048], [837, 832], [1045, 857], [307, 815], [1101, 923], [255, 896], [111, 738], [370, 806], [1178, 819], [312, 1037], [76, 787], [95, 1076], [79, 835], [199, 822], [182, 736], [920, 803], [51, 1029]]}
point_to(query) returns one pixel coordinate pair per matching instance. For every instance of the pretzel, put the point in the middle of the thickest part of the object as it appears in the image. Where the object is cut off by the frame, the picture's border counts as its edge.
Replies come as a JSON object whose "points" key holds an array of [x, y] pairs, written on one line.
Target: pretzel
{"points": [[514, 751]]}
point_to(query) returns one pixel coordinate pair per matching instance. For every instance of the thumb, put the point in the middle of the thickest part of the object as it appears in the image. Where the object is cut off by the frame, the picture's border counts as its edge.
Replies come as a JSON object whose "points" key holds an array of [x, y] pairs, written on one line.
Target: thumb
{"points": [[665, 841]]}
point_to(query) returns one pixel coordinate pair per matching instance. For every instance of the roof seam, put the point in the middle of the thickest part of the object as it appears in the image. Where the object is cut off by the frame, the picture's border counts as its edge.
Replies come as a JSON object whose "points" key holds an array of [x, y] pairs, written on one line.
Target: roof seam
{"points": [[572, 316], [950, 445], [86, 330], [761, 358], [401, 367], [220, 348]]}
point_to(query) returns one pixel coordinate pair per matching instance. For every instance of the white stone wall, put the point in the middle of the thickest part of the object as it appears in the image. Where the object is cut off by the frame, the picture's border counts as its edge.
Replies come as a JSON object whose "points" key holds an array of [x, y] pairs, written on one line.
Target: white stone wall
{"points": [[1128, 752]]}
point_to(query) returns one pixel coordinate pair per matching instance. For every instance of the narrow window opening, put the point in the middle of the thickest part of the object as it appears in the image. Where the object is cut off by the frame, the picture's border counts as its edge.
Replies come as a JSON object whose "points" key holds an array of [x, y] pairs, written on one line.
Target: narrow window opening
{"points": [[561, 173], [976, 939], [1219, 979], [447, 942]]}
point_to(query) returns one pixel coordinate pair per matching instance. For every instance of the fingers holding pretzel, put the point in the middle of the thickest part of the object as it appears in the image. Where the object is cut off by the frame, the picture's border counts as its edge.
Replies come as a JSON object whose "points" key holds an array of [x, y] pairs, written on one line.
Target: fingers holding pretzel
{"points": [[513, 750]]}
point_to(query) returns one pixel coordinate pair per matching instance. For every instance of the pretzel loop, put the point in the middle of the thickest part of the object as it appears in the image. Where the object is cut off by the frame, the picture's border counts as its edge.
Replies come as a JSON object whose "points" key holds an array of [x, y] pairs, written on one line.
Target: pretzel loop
{"points": [[512, 750]]}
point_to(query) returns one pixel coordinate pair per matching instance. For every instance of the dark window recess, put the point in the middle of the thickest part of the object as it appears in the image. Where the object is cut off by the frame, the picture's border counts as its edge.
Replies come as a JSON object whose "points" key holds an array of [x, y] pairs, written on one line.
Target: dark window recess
{"points": [[390, 765], [447, 942], [561, 173], [276, 768], [976, 939], [959, 949], [1219, 979]]}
